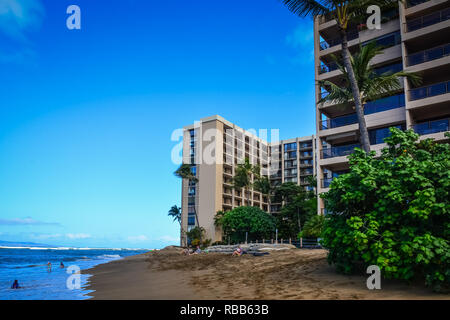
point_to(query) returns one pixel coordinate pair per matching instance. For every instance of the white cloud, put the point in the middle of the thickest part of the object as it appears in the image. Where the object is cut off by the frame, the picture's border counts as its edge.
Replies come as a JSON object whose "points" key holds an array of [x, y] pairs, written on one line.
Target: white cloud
{"points": [[75, 236], [168, 239], [42, 236], [138, 238], [26, 221], [19, 16]]}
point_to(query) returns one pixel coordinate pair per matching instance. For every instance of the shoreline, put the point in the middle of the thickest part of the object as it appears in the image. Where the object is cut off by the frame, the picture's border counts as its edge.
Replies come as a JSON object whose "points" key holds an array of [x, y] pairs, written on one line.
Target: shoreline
{"points": [[297, 274]]}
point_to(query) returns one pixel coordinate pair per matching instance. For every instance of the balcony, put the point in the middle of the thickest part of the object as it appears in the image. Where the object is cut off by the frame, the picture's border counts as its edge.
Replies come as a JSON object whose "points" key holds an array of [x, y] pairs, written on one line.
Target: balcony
{"points": [[275, 176], [434, 126], [290, 174], [306, 172], [306, 164], [412, 3], [428, 20], [339, 151], [380, 105], [429, 91], [429, 55], [385, 104], [326, 44], [290, 156], [385, 41], [305, 146], [392, 68], [338, 121], [328, 67]]}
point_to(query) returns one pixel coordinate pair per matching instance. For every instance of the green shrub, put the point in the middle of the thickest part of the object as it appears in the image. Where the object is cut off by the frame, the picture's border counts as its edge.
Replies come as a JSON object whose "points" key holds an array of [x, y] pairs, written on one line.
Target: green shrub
{"points": [[313, 227], [393, 212], [237, 222]]}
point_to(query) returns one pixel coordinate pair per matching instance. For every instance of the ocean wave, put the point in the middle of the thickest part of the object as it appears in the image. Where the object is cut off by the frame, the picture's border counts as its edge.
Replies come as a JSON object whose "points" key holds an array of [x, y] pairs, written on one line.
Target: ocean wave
{"points": [[109, 256]]}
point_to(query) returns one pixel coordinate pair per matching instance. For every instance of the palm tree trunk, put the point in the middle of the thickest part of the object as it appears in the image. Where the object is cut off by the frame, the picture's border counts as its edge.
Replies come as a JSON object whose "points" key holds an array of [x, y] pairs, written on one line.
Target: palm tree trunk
{"points": [[196, 217], [247, 195], [364, 135]]}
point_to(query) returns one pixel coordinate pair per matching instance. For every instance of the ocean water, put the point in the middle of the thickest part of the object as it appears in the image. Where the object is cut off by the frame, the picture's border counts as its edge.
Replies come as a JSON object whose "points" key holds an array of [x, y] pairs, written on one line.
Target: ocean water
{"points": [[29, 267]]}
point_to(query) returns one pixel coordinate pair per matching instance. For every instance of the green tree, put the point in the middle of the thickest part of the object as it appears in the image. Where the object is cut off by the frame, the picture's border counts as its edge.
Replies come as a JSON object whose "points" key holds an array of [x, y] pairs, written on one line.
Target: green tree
{"points": [[185, 172], [243, 178], [313, 227], [195, 235], [371, 84], [344, 13], [393, 211], [175, 213], [263, 185], [237, 222], [297, 206]]}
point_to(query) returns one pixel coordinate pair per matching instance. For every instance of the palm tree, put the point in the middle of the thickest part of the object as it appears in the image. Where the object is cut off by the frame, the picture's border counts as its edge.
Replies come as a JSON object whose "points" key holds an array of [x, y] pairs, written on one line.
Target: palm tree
{"points": [[345, 13], [243, 178], [263, 185], [372, 85], [185, 172], [175, 213]]}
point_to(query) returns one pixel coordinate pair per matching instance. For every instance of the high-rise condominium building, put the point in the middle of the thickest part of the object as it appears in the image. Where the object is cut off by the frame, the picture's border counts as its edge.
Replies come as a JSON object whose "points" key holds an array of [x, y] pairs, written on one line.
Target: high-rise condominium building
{"points": [[214, 147], [416, 39]]}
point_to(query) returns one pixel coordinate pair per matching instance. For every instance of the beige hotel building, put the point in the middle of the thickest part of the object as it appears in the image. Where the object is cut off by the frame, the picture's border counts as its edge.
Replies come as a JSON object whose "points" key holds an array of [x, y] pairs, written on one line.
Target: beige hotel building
{"points": [[214, 147]]}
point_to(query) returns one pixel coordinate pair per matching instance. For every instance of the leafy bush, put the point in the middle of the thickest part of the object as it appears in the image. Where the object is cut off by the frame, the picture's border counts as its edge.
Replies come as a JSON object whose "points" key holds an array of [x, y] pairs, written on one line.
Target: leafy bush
{"points": [[393, 212], [313, 227], [197, 237], [235, 223]]}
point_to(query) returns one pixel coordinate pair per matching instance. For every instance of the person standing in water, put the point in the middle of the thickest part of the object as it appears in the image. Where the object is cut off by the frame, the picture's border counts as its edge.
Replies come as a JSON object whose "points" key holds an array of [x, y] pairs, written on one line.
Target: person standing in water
{"points": [[61, 265], [15, 285], [49, 266]]}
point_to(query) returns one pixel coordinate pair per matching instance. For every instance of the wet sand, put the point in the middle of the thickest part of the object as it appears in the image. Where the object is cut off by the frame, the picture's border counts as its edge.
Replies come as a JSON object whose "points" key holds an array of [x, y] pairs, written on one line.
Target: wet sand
{"points": [[291, 274]]}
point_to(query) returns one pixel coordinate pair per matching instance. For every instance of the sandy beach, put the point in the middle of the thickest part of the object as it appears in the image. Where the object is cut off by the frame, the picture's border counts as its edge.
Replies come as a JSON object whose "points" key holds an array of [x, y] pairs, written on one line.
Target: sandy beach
{"points": [[290, 274]]}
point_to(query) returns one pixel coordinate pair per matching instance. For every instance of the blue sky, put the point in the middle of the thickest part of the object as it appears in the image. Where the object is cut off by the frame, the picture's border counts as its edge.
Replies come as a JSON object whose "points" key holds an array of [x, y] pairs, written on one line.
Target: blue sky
{"points": [[86, 116]]}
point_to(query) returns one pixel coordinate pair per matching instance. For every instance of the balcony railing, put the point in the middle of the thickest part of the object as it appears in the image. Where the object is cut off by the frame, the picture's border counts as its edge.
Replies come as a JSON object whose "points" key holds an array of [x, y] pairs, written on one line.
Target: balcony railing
{"points": [[384, 104], [429, 91], [325, 44], [387, 41], [327, 67], [306, 146], [393, 68], [306, 172], [428, 20], [412, 3], [434, 126], [339, 121], [338, 151], [380, 105], [429, 55]]}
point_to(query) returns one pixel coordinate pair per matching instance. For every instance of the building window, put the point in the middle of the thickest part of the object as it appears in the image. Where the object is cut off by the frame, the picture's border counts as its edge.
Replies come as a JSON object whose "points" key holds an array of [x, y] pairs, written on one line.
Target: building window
{"points": [[191, 220], [290, 146], [377, 136]]}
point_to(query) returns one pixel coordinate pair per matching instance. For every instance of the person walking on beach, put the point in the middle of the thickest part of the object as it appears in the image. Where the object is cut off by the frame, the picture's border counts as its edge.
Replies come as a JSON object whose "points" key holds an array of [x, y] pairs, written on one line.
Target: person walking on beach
{"points": [[15, 285], [49, 266]]}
